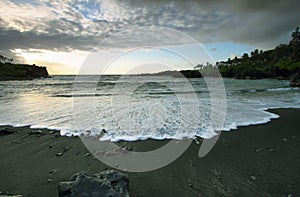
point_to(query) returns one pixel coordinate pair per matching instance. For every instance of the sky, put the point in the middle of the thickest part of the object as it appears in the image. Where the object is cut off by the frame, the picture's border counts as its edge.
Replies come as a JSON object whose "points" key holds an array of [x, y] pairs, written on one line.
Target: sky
{"points": [[114, 36]]}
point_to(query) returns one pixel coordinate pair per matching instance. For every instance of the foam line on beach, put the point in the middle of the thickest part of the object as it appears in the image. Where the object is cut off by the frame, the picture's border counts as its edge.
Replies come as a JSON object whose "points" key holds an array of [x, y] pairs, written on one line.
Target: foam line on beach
{"points": [[107, 137]]}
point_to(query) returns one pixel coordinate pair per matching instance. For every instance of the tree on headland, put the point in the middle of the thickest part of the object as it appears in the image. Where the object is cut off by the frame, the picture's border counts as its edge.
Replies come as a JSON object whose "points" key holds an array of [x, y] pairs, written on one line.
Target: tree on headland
{"points": [[245, 56], [198, 66], [295, 43], [254, 53]]}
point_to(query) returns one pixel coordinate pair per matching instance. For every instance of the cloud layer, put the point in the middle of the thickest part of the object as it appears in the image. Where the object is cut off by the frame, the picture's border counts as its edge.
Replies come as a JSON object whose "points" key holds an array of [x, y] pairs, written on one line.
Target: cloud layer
{"points": [[82, 24]]}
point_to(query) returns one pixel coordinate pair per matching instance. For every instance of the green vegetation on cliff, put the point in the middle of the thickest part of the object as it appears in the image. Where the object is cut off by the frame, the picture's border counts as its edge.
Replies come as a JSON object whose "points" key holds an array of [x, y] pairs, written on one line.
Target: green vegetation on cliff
{"points": [[282, 62], [9, 71]]}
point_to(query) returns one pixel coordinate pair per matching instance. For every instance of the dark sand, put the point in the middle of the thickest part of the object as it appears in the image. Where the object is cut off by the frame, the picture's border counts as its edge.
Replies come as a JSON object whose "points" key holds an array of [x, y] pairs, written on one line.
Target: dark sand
{"points": [[261, 160]]}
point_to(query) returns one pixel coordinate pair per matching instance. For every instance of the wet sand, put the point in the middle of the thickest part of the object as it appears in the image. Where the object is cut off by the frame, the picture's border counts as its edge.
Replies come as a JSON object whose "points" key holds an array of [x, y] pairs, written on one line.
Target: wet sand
{"points": [[260, 160]]}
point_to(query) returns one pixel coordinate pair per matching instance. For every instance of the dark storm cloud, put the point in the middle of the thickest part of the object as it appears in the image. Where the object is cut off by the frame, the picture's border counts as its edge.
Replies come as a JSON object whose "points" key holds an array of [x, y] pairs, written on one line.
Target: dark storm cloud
{"points": [[264, 23], [13, 39], [260, 23]]}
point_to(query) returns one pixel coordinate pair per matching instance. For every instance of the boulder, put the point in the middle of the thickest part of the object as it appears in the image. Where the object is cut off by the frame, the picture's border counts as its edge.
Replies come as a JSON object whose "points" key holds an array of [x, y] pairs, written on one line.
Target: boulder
{"points": [[36, 132], [108, 183], [295, 80], [5, 131]]}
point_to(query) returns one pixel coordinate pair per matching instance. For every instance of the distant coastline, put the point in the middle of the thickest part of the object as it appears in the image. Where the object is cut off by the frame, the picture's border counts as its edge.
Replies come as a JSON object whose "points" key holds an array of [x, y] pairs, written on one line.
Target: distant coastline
{"points": [[282, 62]]}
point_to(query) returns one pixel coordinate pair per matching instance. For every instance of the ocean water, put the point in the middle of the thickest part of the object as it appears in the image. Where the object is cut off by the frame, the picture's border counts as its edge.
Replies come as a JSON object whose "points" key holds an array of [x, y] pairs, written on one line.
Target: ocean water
{"points": [[139, 107]]}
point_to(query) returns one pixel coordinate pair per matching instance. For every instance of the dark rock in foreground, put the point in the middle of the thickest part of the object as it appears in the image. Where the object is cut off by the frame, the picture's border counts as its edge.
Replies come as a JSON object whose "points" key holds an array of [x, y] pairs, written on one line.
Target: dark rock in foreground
{"points": [[295, 80], [5, 131], [108, 183]]}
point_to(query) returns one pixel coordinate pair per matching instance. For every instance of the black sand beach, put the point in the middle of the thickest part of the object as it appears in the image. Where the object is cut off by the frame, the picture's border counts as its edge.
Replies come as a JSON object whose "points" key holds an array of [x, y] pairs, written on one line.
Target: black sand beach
{"points": [[260, 160]]}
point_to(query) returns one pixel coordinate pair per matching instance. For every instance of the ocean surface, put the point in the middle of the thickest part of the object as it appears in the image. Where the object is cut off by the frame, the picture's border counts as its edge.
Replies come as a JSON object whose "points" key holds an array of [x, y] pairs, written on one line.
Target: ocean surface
{"points": [[138, 107]]}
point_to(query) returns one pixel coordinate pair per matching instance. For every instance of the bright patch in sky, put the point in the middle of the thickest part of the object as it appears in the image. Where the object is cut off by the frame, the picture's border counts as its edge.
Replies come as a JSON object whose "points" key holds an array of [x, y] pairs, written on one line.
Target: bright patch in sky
{"points": [[147, 61], [59, 62]]}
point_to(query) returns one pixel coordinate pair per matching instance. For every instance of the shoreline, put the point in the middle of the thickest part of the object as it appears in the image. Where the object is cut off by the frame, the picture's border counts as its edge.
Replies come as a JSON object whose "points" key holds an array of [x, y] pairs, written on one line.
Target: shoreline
{"points": [[273, 116], [255, 160]]}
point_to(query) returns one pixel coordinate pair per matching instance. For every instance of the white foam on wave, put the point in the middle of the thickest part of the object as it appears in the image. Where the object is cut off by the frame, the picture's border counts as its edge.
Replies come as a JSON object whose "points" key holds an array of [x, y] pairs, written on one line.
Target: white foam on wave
{"points": [[282, 89], [264, 120], [106, 137], [15, 125]]}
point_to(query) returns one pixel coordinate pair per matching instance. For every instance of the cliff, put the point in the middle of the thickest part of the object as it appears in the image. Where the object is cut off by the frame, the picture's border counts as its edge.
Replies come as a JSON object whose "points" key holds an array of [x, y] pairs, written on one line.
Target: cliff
{"points": [[282, 62], [9, 71]]}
